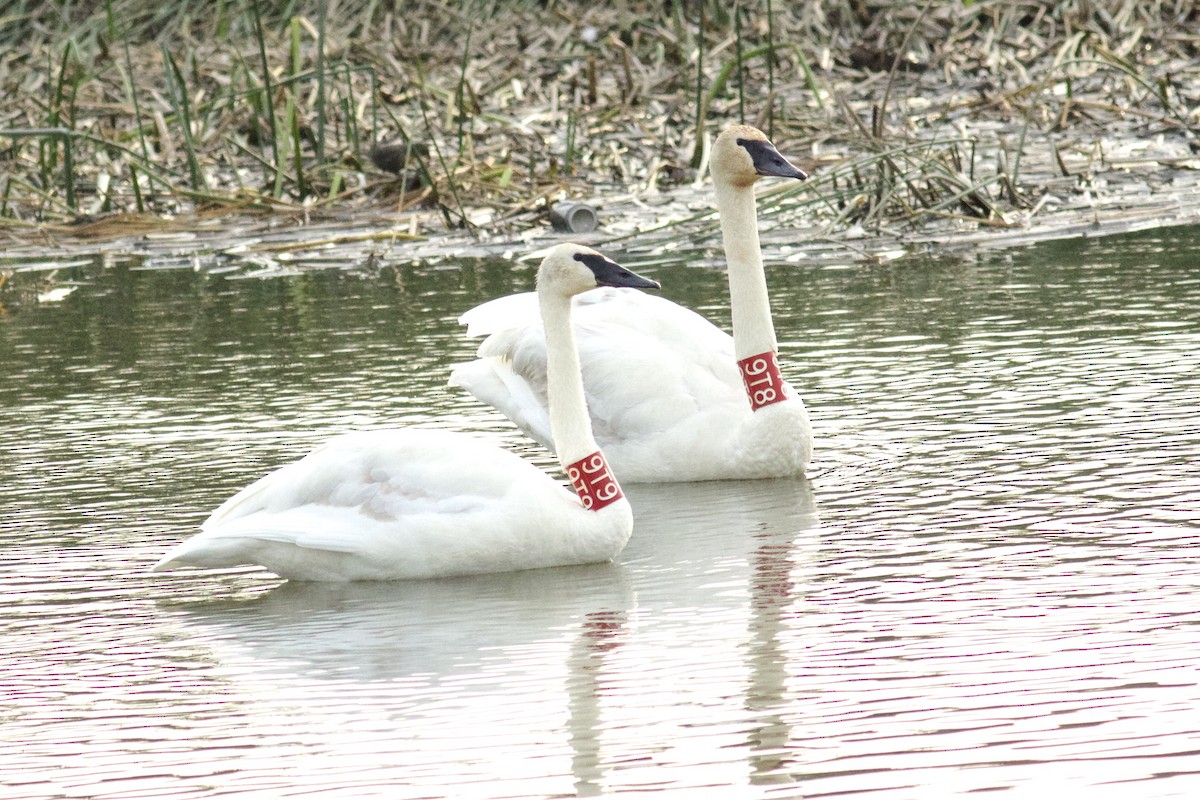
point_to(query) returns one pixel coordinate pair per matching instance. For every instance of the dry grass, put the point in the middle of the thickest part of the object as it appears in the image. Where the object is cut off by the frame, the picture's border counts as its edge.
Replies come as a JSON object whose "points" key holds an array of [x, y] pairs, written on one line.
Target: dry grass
{"points": [[493, 109]]}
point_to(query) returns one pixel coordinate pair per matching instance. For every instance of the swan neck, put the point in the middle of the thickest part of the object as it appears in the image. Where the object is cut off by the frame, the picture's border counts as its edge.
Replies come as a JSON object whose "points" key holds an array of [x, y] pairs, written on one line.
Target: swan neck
{"points": [[753, 330], [569, 422]]}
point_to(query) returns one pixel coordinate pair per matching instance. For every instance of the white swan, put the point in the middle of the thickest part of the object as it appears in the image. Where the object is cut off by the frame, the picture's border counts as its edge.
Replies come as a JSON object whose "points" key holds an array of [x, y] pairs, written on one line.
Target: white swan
{"points": [[392, 504], [672, 397]]}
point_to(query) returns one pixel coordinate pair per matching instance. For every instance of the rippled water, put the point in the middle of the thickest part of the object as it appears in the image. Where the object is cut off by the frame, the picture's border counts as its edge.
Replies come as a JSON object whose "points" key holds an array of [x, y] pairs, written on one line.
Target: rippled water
{"points": [[989, 583]]}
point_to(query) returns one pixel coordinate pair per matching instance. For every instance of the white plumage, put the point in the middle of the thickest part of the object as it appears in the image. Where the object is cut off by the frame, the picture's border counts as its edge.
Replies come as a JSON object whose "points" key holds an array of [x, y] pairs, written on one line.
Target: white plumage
{"points": [[411, 503], [663, 388]]}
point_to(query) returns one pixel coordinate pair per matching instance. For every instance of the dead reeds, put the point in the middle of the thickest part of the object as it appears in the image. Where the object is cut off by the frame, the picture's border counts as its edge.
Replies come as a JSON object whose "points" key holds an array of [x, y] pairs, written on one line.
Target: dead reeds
{"points": [[486, 111]]}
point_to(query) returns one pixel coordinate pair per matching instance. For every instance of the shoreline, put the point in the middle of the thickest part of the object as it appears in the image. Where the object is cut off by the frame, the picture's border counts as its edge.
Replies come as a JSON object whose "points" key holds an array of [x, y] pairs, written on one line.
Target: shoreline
{"points": [[925, 130]]}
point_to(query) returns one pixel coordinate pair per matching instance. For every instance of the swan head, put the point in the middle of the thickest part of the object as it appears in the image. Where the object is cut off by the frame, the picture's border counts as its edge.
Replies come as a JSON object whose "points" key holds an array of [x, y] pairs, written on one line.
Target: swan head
{"points": [[742, 154], [570, 269]]}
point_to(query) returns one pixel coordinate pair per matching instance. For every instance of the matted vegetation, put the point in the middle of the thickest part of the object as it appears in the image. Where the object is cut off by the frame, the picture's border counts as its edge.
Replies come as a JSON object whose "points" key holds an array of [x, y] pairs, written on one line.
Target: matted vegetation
{"points": [[481, 113]]}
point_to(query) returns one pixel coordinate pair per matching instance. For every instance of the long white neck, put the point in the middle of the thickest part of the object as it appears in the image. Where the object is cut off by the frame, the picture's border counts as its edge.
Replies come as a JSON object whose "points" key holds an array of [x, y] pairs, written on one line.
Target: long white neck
{"points": [[753, 331], [569, 422]]}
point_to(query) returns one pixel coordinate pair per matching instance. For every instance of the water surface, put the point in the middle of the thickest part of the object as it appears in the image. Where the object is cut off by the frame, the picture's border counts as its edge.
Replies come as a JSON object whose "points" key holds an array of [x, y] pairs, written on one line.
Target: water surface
{"points": [[988, 583]]}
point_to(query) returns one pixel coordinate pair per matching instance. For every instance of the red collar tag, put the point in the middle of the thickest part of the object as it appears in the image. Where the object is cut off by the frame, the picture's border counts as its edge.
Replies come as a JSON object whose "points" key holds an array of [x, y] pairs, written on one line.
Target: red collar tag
{"points": [[594, 481], [764, 384]]}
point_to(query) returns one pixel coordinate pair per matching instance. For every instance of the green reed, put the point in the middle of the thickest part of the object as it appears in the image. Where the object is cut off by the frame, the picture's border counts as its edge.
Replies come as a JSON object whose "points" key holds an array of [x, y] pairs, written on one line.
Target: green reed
{"points": [[178, 92], [268, 93]]}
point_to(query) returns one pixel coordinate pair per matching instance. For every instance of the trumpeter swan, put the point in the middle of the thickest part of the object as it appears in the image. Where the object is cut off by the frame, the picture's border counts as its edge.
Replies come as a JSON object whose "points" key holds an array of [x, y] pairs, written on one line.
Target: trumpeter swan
{"points": [[672, 397], [409, 503]]}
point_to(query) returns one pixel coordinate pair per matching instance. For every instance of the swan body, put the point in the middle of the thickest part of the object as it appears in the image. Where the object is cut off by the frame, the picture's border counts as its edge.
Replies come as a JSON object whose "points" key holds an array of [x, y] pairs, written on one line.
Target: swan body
{"points": [[663, 388], [667, 399], [412, 503]]}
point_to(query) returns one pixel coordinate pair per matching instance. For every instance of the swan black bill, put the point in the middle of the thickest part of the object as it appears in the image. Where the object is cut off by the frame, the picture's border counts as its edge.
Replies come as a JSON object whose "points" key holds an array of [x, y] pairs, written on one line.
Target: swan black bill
{"points": [[610, 273], [768, 161]]}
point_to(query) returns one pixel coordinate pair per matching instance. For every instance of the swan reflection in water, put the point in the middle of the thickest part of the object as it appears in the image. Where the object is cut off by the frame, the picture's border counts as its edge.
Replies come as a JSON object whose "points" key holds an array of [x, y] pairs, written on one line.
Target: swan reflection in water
{"points": [[724, 560]]}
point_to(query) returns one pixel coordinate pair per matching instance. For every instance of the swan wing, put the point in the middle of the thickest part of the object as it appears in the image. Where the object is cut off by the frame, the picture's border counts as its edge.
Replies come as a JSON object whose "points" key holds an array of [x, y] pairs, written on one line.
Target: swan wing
{"points": [[386, 473], [647, 362], [520, 397], [510, 311]]}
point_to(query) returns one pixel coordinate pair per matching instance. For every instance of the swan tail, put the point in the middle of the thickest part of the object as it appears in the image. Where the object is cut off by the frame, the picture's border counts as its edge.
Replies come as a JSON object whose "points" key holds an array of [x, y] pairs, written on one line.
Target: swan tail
{"points": [[248, 540], [208, 553]]}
